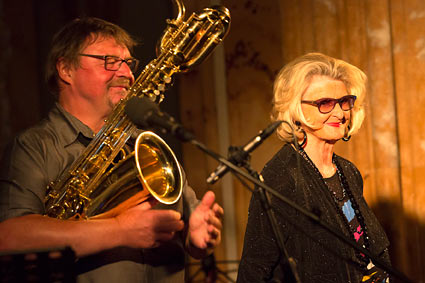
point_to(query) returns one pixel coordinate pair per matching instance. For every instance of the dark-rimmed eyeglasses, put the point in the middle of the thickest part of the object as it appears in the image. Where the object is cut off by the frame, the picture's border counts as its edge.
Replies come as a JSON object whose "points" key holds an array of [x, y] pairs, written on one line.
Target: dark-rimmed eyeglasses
{"points": [[113, 63], [326, 105]]}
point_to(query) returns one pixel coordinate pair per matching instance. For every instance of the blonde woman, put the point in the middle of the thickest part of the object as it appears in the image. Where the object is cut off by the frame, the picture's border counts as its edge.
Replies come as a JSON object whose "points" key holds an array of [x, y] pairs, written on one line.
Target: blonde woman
{"points": [[321, 98]]}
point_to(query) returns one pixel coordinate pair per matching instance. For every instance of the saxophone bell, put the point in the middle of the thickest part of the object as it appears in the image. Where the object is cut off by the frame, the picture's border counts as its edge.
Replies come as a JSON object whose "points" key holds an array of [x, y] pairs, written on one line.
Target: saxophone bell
{"points": [[151, 170]]}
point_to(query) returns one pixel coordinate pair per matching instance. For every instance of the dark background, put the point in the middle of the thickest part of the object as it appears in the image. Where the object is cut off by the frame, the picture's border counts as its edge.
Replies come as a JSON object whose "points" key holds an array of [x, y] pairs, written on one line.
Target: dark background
{"points": [[26, 30]]}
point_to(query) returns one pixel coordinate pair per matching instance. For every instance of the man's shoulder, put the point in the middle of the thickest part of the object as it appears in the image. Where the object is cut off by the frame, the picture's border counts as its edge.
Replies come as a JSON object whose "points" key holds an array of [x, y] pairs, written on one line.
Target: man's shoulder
{"points": [[55, 128], [43, 128], [42, 131]]}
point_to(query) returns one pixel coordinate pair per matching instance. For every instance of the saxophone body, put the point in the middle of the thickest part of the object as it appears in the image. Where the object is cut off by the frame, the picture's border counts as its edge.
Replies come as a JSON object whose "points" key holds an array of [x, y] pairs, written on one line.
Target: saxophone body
{"points": [[108, 178]]}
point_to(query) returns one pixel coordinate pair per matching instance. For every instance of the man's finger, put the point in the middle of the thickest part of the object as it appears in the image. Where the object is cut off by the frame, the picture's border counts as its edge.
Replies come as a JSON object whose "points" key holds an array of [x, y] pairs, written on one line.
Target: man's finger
{"points": [[208, 200], [169, 226], [148, 204], [166, 215], [218, 210], [164, 236], [214, 221]]}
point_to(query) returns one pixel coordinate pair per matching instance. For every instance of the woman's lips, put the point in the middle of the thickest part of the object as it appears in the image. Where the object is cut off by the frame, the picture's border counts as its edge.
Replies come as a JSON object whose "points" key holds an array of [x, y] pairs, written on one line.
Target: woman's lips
{"points": [[336, 125]]}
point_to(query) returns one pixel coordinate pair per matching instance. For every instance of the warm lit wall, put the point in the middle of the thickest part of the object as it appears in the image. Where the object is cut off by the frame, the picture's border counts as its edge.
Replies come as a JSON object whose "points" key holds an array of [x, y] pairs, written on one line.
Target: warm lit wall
{"points": [[385, 38]]}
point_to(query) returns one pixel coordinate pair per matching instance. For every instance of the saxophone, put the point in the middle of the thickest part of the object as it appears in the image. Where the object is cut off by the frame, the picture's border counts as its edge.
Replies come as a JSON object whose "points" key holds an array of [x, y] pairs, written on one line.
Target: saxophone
{"points": [[107, 179]]}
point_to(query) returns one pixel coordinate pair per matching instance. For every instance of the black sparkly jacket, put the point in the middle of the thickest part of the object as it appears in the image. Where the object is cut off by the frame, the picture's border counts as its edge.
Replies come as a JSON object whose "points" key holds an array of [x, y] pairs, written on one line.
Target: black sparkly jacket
{"points": [[320, 256]]}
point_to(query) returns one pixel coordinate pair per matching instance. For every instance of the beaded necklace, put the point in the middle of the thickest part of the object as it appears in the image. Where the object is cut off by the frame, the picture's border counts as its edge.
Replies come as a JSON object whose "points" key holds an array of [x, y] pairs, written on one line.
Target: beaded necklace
{"points": [[348, 192], [335, 196]]}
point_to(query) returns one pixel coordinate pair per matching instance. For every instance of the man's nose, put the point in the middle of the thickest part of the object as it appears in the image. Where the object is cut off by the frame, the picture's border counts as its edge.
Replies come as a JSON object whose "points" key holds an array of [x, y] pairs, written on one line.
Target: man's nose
{"points": [[125, 71]]}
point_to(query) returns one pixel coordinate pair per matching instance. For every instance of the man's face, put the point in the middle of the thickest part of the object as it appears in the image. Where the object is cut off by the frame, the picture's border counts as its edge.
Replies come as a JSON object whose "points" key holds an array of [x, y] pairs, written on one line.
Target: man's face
{"points": [[93, 84]]}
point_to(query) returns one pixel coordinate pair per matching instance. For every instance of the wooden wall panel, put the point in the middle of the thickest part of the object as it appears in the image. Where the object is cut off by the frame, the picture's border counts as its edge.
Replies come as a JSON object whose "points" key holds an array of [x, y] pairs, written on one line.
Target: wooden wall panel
{"points": [[408, 19], [252, 58], [198, 113], [297, 24], [385, 39], [381, 105]]}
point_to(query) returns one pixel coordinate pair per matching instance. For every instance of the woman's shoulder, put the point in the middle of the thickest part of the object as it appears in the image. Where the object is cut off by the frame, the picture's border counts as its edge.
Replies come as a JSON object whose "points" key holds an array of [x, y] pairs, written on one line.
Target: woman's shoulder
{"points": [[346, 164], [282, 158], [281, 164]]}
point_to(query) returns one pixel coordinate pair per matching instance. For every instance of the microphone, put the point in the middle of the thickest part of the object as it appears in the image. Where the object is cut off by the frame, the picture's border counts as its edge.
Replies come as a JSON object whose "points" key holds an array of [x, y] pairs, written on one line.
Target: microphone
{"points": [[240, 155], [144, 113]]}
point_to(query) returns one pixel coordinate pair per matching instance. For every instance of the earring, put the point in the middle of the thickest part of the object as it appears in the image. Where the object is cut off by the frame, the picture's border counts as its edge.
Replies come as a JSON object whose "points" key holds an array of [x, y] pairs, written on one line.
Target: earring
{"points": [[347, 137], [301, 130]]}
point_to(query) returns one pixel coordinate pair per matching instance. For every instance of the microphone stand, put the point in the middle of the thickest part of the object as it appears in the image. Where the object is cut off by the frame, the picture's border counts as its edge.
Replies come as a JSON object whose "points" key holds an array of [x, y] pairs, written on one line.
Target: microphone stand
{"points": [[212, 272], [265, 203], [313, 217]]}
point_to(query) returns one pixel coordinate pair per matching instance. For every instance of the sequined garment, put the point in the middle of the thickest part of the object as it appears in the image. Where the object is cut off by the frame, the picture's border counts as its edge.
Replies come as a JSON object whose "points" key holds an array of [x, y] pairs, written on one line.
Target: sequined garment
{"points": [[320, 256]]}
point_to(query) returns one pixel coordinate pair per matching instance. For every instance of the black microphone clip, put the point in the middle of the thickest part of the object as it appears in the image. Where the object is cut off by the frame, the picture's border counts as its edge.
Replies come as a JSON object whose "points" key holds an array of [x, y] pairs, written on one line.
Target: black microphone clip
{"points": [[144, 113], [240, 155]]}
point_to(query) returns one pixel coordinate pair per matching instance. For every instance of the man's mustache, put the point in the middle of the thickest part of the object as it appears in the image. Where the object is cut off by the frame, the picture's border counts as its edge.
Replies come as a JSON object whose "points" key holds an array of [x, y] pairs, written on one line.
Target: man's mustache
{"points": [[121, 82]]}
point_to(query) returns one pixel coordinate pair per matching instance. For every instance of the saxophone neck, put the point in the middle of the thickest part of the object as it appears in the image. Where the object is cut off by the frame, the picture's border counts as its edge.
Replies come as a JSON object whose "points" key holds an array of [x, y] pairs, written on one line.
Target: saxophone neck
{"points": [[180, 12]]}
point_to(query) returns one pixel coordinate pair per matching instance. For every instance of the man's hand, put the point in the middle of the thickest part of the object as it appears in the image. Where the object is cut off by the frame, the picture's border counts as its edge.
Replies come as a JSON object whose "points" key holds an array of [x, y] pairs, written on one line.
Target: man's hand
{"points": [[144, 227], [205, 225]]}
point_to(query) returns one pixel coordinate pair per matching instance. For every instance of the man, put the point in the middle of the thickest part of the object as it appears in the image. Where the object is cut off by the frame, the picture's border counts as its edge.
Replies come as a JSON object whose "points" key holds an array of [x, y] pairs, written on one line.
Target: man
{"points": [[90, 69]]}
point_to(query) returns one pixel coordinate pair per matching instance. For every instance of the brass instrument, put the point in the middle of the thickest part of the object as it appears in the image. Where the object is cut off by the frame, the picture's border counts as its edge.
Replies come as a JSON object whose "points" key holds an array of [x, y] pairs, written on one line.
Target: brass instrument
{"points": [[97, 185]]}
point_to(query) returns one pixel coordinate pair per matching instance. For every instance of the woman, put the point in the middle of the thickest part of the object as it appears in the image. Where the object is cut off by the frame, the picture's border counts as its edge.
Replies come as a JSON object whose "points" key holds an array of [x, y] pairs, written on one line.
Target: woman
{"points": [[321, 98]]}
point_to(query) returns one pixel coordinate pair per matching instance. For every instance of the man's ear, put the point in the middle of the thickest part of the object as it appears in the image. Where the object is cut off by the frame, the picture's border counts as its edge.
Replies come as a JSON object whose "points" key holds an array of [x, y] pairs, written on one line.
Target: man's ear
{"points": [[64, 71]]}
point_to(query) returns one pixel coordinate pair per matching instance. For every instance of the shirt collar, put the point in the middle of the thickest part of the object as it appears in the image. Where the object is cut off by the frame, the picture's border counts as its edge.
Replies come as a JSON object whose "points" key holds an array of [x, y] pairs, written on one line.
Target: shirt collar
{"points": [[75, 126]]}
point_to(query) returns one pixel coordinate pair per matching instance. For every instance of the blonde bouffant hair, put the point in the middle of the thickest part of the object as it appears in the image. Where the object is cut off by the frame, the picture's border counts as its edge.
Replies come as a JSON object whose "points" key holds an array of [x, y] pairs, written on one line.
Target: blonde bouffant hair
{"points": [[294, 79]]}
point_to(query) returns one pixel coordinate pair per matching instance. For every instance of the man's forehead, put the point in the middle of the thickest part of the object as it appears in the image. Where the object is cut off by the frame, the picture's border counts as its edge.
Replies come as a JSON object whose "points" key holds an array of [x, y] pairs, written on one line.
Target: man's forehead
{"points": [[103, 42]]}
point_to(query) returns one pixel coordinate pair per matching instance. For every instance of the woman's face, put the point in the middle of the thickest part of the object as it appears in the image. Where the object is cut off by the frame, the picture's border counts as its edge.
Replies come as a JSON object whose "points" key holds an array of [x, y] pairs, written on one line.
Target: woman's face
{"points": [[330, 126]]}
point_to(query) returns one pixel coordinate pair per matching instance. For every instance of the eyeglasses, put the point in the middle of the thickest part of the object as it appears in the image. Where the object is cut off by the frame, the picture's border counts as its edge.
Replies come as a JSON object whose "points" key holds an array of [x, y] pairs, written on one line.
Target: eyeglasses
{"points": [[326, 105], [113, 63]]}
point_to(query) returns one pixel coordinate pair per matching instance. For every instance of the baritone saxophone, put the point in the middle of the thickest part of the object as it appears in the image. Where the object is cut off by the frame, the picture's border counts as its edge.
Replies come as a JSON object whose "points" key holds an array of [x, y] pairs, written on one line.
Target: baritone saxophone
{"points": [[107, 179]]}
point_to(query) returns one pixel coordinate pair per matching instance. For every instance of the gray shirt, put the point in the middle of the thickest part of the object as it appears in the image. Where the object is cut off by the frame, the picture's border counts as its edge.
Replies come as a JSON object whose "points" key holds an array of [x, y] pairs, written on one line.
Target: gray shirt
{"points": [[39, 156]]}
